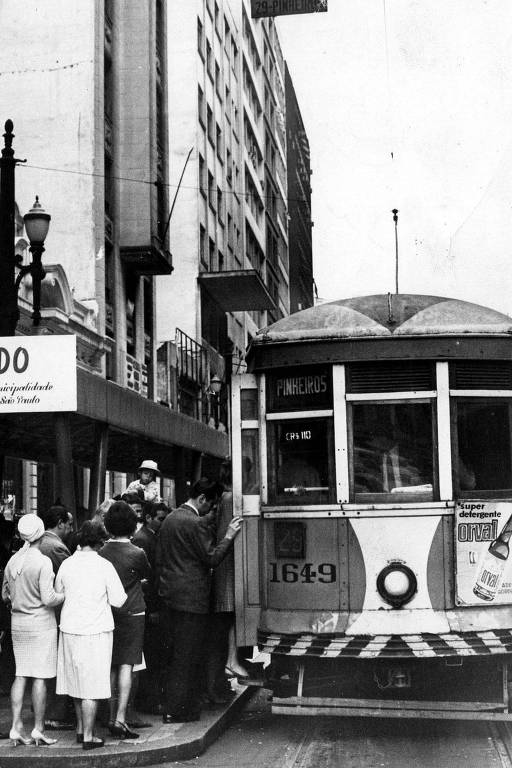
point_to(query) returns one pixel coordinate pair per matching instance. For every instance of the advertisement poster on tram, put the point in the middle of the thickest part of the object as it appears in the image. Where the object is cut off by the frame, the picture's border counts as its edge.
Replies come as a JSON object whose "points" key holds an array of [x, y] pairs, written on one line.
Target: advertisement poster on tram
{"points": [[482, 538]]}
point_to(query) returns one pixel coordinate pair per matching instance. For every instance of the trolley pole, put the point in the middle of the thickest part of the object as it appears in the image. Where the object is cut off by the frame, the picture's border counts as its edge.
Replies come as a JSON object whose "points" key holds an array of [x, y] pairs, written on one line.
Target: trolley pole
{"points": [[395, 219]]}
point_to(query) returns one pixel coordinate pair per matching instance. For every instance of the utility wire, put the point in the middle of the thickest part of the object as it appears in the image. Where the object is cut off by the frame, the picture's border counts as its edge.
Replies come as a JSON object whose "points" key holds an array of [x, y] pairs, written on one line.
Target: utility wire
{"points": [[239, 193]]}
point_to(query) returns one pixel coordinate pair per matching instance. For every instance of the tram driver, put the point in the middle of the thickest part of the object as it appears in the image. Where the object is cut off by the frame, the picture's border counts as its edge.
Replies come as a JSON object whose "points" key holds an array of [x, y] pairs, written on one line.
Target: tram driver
{"points": [[386, 464]]}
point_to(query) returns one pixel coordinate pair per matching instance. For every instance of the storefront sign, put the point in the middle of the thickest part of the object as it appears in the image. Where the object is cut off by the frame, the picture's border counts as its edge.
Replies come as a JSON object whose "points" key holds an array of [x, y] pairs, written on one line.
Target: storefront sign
{"points": [[37, 373], [482, 533], [299, 389], [261, 8]]}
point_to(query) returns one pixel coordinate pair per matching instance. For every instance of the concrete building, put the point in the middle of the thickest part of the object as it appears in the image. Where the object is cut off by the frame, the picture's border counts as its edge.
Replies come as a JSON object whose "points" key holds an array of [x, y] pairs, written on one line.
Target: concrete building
{"points": [[299, 203], [85, 84], [228, 232]]}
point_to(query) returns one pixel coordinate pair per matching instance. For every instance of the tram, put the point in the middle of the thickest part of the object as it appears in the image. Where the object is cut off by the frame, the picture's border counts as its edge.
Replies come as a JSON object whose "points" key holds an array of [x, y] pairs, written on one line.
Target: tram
{"points": [[372, 464]]}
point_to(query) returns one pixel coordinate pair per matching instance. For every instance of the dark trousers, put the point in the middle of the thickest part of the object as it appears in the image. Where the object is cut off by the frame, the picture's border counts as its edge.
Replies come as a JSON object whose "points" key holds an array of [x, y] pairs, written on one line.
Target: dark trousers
{"points": [[217, 652], [184, 635]]}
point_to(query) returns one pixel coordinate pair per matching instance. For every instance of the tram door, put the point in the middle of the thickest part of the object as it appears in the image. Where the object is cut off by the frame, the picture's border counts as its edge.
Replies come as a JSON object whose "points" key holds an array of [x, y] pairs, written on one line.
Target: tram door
{"points": [[247, 452]]}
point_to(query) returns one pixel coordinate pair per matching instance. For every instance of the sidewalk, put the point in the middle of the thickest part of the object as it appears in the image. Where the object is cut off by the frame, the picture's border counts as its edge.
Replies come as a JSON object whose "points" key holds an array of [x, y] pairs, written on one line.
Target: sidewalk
{"points": [[161, 743]]}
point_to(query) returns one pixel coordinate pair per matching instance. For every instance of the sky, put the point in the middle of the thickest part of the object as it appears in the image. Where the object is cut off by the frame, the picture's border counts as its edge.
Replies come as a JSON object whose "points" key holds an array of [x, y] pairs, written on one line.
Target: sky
{"points": [[408, 104]]}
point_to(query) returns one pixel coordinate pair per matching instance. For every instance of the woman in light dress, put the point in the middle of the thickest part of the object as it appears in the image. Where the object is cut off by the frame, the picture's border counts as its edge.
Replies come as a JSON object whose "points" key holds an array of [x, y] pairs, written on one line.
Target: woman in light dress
{"points": [[91, 586], [28, 587]]}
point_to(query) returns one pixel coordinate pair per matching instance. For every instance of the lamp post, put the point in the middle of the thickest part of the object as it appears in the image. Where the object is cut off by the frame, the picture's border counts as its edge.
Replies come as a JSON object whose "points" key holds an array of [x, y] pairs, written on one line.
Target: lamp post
{"points": [[37, 222], [9, 312]]}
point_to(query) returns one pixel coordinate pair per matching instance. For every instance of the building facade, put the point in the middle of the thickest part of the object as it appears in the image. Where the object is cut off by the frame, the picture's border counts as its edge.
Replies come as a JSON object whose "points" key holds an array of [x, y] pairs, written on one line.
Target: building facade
{"points": [[299, 203], [229, 230], [159, 147]]}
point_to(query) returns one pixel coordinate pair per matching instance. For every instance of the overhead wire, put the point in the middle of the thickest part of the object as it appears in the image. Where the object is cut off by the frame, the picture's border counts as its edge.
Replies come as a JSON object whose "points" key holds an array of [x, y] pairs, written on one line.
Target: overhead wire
{"points": [[157, 183]]}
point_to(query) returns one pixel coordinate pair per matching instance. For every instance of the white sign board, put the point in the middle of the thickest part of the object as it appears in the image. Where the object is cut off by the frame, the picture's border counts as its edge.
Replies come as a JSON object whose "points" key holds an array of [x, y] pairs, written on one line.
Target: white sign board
{"points": [[484, 568], [37, 373]]}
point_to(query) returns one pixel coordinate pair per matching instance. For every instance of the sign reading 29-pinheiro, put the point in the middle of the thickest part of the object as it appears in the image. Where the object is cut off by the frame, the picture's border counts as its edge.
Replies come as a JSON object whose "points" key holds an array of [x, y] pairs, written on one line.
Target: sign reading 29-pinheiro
{"points": [[37, 373], [261, 8]]}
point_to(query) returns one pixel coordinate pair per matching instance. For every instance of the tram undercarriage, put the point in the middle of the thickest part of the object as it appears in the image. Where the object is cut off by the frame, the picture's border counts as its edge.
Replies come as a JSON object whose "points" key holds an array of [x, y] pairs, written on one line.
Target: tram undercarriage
{"points": [[458, 687]]}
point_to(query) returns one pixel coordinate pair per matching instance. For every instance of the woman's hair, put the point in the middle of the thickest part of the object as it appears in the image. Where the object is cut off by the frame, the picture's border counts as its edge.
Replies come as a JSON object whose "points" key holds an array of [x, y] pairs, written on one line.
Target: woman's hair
{"points": [[121, 519], [90, 535]]}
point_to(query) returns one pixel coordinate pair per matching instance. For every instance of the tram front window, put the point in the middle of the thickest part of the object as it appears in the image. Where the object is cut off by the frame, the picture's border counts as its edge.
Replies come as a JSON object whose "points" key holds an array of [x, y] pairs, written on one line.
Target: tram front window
{"points": [[300, 462], [483, 465], [392, 452]]}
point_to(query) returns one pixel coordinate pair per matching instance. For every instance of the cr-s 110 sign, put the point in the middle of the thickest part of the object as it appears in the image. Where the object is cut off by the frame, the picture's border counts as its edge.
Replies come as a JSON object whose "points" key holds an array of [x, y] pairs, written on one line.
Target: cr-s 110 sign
{"points": [[37, 373]]}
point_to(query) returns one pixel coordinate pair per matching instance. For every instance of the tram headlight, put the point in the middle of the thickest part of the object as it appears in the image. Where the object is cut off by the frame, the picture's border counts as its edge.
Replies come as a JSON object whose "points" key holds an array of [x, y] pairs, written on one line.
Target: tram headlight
{"points": [[397, 584]]}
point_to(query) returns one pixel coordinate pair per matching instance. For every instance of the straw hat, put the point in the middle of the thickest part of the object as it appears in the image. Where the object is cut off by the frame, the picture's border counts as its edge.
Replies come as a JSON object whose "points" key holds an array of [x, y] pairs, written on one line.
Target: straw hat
{"points": [[149, 464]]}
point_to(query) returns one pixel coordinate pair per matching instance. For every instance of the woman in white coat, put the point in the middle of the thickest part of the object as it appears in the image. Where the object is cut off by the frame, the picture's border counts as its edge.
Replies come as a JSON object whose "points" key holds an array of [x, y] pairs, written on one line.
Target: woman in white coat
{"points": [[90, 585]]}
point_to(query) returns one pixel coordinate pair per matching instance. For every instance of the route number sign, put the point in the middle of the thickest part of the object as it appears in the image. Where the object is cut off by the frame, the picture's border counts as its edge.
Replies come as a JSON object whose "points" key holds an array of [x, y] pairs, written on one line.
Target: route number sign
{"points": [[262, 8]]}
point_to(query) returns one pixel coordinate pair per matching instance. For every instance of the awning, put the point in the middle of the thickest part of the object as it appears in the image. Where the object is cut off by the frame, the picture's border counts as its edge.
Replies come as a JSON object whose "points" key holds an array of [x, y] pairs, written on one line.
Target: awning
{"points": [[237, 290], [137, 427]]}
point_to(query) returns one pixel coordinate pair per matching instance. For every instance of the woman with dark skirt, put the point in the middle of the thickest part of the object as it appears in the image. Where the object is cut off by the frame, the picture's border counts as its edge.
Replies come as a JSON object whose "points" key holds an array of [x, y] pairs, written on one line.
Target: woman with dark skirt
{"points": [[132, 567]]}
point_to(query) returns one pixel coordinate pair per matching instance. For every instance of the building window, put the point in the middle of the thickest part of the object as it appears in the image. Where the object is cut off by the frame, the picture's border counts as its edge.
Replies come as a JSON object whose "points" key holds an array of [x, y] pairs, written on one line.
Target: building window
{"points": [[220, 259], [200, 38], [218, 26], [211, 191], [218, 81], [209, 125], [211, 256], [229, 166], [218, 141], [202, 175], [202, 247], [209, 59], [234, 57], [220, 205], [227, 104], [201, 106]]}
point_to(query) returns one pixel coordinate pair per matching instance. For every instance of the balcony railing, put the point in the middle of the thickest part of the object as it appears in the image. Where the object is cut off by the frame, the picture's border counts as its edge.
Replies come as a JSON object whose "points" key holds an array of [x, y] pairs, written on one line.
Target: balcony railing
{"points": [[136, 376]]}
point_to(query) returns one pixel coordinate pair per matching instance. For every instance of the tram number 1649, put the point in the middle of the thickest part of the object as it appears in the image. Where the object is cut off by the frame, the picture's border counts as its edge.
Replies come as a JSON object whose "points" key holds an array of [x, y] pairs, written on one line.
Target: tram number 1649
{"points": [[290, 573]]}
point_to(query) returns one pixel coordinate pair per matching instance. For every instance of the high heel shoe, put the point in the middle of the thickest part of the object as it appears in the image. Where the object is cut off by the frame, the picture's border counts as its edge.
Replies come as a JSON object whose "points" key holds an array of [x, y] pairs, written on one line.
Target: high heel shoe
{"points": [[17, 738], [122, 731], [40, 738], [93, 744]]}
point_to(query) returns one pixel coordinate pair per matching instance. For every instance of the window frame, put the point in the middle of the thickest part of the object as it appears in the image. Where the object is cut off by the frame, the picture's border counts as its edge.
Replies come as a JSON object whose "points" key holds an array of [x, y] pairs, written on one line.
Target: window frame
{"points": [[392, 398], [487, 396], [271, 421]]}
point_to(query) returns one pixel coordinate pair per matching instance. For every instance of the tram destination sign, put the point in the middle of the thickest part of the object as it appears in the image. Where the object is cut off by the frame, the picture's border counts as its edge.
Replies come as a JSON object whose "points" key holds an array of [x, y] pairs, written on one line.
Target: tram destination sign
{"points": [[37, 374], [263, 8], [299, 389]]}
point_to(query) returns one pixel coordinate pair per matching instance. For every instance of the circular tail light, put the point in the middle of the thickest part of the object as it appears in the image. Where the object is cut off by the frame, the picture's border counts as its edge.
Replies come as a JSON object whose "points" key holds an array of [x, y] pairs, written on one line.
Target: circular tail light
{"points": [[397, 584]]}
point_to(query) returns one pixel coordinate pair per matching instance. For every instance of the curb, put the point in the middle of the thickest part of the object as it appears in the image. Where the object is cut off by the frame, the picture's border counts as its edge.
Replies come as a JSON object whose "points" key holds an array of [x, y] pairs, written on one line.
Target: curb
{"points": [[189, 741]]}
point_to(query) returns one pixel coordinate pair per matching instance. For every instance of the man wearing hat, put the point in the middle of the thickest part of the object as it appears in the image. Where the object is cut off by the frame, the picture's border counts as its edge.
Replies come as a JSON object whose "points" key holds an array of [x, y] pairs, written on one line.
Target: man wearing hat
{"points": [[147, 472]]}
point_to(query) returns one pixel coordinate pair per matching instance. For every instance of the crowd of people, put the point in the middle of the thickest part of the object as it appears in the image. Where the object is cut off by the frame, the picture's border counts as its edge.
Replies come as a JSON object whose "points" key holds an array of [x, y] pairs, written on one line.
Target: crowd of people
{"points": [[124, 610]]}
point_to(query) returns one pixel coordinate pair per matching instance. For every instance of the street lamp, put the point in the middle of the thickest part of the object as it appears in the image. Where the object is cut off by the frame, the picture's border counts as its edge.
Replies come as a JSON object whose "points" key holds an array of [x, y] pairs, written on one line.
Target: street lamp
{"points": [[37, 223]]}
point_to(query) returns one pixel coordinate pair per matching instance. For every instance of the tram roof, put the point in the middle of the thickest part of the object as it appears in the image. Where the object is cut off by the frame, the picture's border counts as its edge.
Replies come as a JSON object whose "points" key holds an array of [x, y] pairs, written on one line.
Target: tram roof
{"points": [[419, 322]]}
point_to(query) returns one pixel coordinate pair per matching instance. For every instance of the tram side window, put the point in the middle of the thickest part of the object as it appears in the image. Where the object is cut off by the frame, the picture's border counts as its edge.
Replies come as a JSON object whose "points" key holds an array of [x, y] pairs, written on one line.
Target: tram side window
{"points": [[392, 452], [483, 465], [250, 462], [301, 461]]}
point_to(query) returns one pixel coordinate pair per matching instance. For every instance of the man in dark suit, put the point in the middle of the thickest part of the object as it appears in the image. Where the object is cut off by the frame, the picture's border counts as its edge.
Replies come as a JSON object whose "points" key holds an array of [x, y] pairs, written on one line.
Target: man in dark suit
{"points": [[186, 553], [58, 524]]}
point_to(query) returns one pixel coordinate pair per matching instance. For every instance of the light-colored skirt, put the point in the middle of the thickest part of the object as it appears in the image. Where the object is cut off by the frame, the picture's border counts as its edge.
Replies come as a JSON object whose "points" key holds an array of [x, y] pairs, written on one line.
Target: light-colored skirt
{"points": [[83, 665], [35, 652]]}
